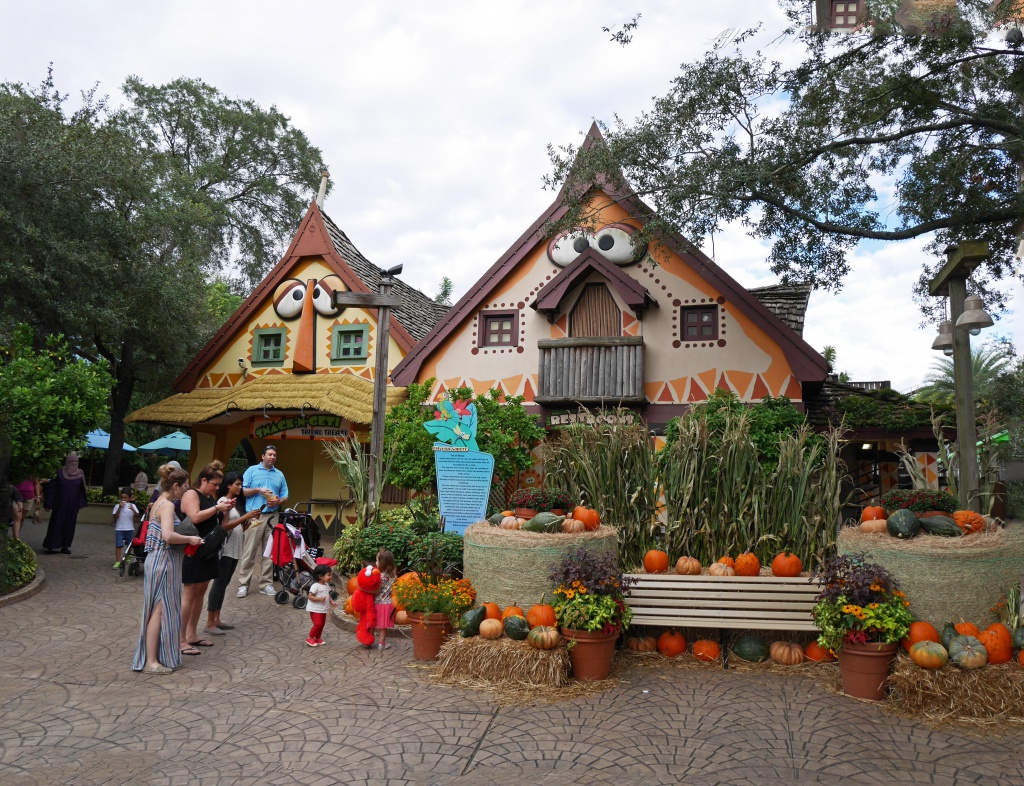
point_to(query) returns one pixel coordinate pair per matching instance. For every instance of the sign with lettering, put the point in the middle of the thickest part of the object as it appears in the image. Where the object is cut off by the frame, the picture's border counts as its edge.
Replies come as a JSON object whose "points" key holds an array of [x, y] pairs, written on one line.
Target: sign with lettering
{"points": [[464, 474], [621, 417], [319, 426]]}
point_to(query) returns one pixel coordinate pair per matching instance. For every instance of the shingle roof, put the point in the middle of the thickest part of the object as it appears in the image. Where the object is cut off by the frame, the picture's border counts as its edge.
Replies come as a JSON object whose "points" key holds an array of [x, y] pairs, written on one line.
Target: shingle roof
{"points": [[786, 301], [418, 313]]}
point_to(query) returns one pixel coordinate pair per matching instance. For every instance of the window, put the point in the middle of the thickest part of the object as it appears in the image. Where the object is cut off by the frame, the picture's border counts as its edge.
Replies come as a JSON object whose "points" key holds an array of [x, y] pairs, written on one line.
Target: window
{"points": [[845, 15], [700, 323], [268, 346], [349, 343], [499, 329]]}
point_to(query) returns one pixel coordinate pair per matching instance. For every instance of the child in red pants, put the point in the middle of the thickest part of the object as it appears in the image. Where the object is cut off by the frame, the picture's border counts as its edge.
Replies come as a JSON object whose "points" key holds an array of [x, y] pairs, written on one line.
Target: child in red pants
{"points": [[317, 605]]}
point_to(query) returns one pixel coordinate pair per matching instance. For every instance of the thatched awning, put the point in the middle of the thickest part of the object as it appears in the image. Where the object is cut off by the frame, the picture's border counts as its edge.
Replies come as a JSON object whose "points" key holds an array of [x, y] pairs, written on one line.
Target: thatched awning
{"points": [[346, 395]]}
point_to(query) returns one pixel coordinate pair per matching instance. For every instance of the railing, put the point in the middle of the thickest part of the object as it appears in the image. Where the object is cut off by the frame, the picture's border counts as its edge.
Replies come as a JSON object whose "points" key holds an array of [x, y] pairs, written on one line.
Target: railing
{"points": [[591, 370], [874, 385]]}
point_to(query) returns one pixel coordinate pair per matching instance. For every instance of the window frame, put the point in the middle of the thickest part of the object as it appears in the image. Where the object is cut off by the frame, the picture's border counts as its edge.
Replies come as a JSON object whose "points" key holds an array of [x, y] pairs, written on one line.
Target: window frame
{"points": [[483, 333], [258, 335], [336, 330], [704, 307], [846, 25]]}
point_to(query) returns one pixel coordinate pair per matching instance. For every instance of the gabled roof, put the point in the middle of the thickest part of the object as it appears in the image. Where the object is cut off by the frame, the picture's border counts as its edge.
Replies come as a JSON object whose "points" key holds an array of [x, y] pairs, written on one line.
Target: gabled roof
{"points": [[806, 363], [317, 235], [550, 296], [786, 301]]}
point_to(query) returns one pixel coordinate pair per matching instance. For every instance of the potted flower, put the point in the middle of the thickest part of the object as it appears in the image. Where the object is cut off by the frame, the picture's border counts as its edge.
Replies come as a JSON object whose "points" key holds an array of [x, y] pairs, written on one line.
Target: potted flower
{"points": [[527, 502], [558, 502], [590, 608], [924, 502], [862, 615]]}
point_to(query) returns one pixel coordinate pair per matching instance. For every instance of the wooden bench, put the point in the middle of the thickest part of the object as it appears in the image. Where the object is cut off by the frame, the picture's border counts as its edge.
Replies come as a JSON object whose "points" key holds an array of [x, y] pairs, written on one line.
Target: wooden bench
{"points": [[736, 602]]}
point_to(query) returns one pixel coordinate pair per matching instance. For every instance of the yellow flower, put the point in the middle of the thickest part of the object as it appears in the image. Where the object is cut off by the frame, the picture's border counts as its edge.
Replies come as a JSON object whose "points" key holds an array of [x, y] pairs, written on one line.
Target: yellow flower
{"points": [[872, 605], [906, 603], [860, 615], [848, 609], [876, 587], [899, 594]]}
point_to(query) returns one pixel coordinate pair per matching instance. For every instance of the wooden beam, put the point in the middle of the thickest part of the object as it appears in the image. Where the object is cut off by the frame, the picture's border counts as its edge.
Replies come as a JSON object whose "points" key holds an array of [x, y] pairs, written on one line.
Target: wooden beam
{"points": [[960, 263], [366, 300]]}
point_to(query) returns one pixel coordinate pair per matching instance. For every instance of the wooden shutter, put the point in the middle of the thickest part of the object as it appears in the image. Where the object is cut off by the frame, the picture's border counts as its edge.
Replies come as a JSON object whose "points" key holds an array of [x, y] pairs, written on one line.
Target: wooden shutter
{"points": [[595, 314]]}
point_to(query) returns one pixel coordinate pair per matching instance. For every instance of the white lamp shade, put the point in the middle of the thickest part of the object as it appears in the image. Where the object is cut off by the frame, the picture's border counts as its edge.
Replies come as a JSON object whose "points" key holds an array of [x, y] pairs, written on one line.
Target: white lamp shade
{"points": [[945, 338], [974, 317]]}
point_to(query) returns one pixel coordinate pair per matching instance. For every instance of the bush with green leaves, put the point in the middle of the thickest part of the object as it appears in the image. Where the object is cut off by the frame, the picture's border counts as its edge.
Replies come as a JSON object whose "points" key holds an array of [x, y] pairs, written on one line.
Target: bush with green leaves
{"points": [[447, 546], [426, 514], [399, 539], [17, 564]]}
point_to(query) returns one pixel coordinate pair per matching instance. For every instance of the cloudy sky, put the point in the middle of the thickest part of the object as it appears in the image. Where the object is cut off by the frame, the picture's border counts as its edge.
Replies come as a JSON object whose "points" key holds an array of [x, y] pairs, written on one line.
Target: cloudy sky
{"points": [[434, 119]]}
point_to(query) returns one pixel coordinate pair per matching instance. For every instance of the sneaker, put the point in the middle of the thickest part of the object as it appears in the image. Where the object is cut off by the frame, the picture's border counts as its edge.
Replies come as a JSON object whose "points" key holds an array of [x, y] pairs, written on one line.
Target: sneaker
{"points": [[242, 592], [310, 643], [268, 590], [320, 642], [116, 565]]}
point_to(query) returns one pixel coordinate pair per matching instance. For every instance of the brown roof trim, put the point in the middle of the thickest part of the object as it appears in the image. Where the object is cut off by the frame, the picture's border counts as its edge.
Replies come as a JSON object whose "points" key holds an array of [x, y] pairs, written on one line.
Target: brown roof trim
{"points": [[310, 239], [550, 296], [806, 363]]}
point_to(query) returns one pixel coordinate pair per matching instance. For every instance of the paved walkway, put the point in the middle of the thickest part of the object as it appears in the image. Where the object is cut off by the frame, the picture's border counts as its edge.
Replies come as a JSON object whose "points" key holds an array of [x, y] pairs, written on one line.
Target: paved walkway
{"points": [[261, 708]]}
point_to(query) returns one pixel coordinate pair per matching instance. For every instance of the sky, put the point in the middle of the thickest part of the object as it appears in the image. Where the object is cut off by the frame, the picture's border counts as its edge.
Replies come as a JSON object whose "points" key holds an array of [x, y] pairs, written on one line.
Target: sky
{"points": [[434, 120]]}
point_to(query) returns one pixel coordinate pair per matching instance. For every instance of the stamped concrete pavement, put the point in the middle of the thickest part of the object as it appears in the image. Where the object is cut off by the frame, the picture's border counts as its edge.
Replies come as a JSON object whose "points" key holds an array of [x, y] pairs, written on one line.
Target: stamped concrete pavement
{"points": [[262, 708]]}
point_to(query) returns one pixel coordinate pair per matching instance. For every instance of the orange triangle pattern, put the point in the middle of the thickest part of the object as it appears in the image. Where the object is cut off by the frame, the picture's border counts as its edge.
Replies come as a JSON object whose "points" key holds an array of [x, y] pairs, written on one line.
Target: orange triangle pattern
{"points": [[679, 386], [707, 379], [740, 382], [481, 386], [511, 384], [696, 392], [760, 389], [455, 382], [225, 381], [627, 319], [666, 394], [440, 391], [204, 382], [528, 391], [793, 390], [723, 382], [651, 390], [632, 330]]}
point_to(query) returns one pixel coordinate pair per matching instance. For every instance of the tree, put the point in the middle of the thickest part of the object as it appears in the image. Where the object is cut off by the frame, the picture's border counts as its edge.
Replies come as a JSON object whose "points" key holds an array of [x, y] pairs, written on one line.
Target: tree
{"points": [[444, 292], [829, 353], [988, 363], [796, 153], [147, 204]]}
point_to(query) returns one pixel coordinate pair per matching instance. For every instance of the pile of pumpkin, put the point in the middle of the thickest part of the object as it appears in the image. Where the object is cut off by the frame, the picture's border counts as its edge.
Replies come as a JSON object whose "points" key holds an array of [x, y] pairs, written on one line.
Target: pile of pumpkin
{"points": [[963, 645], [906, 524], [489, 621], [750, 648], [786, 564], [582, 519]]}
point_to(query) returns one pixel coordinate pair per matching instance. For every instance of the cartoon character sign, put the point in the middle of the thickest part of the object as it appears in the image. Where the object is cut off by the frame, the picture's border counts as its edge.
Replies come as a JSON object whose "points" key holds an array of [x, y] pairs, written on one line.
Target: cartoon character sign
{"points": [[454, 423], [615, 242], [293, 299]]}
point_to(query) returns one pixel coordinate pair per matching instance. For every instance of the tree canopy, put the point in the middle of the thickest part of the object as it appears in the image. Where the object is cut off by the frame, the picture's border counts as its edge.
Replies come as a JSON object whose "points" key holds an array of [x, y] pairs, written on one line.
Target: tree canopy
{"points": [[988, 364], [805, 155]]}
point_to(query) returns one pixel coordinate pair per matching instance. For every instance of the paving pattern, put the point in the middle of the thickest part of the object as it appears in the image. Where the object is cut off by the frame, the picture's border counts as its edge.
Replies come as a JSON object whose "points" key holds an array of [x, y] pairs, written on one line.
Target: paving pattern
{"points": [[262, 708]]}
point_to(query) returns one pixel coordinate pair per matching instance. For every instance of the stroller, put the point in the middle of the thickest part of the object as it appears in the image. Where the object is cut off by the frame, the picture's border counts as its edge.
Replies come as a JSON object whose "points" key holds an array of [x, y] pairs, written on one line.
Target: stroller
{"points": [[294, 560], [135, 554]]}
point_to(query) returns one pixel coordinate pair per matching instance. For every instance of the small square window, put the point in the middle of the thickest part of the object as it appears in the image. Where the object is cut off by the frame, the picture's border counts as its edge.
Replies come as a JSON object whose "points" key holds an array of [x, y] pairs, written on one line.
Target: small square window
{"points": [[268, 346], [499, 329], [700, 323], [349, 343]]}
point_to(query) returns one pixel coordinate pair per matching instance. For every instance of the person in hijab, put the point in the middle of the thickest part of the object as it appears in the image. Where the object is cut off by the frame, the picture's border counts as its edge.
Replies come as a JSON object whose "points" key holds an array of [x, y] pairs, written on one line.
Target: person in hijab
{"points": [[65, 496]]}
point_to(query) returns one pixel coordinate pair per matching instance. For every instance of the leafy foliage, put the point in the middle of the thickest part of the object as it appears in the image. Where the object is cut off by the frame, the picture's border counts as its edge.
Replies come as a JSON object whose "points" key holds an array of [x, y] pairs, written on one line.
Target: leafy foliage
{"points": [[590, 591], [399, 539], [888, 410], [17, 563], [987, 364], [919, 500]]}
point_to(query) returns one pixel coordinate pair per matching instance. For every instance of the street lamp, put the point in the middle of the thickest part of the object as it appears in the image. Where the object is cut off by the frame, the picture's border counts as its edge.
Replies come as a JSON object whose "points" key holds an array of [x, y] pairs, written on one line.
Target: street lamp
{"points": [[969, 317], [944, 340]]}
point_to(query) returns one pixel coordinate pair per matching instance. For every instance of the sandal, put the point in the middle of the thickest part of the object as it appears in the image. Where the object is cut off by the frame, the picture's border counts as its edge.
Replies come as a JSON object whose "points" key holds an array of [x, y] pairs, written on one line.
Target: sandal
{"points": [[190, 651], [201, 643], [382, 646], [158, 669]]}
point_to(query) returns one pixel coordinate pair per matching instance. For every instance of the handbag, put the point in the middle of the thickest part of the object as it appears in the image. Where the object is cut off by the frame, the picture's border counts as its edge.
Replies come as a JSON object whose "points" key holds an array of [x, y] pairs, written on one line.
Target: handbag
{"points": [[211, 543]]}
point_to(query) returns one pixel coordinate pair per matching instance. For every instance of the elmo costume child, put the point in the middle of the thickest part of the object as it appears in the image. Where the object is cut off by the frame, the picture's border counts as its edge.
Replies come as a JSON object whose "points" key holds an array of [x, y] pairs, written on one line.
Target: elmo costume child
{"points": [[362, 603]]}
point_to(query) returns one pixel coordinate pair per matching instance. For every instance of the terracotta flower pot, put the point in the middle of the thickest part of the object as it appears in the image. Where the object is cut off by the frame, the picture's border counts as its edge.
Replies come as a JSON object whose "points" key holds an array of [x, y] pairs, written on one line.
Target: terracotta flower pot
{"points": [[429, 632], [865, 669], [591, 655], [525, 513], [932, 513]]}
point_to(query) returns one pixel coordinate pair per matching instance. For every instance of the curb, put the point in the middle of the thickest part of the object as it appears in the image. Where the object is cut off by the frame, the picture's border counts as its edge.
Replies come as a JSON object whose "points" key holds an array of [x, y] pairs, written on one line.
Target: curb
{"points": [[26, 592]]}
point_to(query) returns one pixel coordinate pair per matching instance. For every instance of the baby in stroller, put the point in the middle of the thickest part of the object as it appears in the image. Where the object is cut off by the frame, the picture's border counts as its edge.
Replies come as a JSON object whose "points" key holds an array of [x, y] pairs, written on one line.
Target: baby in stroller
{"points": [[293, 560], [135, 553]]}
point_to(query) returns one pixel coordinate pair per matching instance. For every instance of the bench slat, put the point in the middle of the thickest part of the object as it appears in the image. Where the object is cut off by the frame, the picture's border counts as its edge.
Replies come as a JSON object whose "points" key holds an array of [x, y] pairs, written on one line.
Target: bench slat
{"points": [[741, 597], [742, 624], [751, 608]]}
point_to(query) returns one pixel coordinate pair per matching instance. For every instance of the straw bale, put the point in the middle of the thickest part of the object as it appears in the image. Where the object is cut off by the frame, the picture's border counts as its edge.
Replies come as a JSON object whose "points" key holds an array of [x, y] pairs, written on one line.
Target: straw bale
{"points": [[993, 693], [512, 566], [503, 661], [946, 579]]}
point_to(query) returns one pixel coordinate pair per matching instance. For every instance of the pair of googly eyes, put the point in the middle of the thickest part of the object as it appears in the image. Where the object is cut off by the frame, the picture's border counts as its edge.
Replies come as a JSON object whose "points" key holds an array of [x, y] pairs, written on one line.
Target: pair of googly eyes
{"points": [[290, 296], [614, 242]]}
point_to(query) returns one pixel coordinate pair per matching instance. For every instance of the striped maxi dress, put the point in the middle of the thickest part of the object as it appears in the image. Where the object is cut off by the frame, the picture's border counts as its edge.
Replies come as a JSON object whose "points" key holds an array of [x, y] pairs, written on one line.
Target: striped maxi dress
{"points": [[161, 583]]}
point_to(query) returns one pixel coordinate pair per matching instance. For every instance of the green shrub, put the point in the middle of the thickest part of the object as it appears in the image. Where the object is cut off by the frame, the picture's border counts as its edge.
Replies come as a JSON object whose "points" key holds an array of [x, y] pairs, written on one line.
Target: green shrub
{"points": [[17, 564], [95, 495], [395, 516], [346, 550], [449, 550], [920, 500], [399, 539], [426, 515]]}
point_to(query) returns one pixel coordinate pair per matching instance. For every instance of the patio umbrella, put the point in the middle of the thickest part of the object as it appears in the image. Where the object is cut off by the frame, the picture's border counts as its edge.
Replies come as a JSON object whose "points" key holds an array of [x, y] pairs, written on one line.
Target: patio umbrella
{"points": [[100, 440], [170, 445]]}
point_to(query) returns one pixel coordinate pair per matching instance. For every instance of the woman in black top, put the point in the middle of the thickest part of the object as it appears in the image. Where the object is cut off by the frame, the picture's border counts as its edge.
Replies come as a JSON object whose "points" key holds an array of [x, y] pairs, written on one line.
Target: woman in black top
{"points": [[199, 504]]}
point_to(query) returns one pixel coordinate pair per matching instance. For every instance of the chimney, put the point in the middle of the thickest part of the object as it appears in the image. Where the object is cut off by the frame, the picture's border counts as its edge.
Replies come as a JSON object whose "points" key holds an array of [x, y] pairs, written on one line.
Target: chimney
{"points": [[323, 188]]}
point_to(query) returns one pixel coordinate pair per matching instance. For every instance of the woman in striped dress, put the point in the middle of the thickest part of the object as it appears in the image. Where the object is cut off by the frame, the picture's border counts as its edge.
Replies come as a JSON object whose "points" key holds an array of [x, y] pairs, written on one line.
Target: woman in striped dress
{"points": [[160, 638]]}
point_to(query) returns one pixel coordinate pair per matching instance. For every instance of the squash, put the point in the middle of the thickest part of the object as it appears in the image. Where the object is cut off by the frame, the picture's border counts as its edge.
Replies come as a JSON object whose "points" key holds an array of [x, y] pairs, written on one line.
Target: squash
{"points": [[544, 522], [706, 650], [688, 566], [510, 522], [656, 561], [491, 629], [877, 525], [493, 611], [920, 631], [967, 629], [348, 608], [747, 564], [469, 623], [814, 651], [967, 653], [929, 655], [718, 569], [402, 617], [750, 648], [541, 615], [516, 628], [997, 646], [508, 513], [543, 637], [948, 634], [495, 519], [873, 513], [591, 518], [642, 644], [787, 564], [786, 653], [903, 524], [943, 526], [1018, 637], [1003, 631], [573, 526], [512, 611], [353, 584], [727, 560], [969, 521], [671, 643]]}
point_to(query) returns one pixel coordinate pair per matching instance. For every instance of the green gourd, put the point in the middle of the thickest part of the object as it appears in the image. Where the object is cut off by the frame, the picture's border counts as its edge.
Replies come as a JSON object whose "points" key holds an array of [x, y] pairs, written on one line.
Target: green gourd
{"points": [[544, 522], [942, 526], [903, 524], [495, 520], [516, 627], [968, 653], [469, 623], [948, 634], [752, 649], [1018, 638]]}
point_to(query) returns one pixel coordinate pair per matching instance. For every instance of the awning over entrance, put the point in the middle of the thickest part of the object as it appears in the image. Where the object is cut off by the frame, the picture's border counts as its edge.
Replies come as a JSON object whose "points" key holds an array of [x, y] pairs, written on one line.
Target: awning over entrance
{"points": [[346, 395]]}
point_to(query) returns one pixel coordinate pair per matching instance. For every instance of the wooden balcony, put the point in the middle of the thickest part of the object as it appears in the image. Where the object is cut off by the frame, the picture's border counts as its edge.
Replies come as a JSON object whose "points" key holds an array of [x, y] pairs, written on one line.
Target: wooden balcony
{"points": [[591, 371]]}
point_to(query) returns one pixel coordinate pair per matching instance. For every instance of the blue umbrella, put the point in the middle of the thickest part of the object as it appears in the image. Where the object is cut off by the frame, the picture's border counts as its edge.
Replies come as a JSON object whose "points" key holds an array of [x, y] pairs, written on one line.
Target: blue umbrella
{"points": [[172, 444], [100, 440]]}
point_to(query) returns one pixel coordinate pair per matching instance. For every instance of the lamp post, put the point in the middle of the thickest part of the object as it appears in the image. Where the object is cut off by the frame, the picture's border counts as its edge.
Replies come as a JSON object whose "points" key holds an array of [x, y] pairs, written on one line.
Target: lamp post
{"points": [[951, 281]]}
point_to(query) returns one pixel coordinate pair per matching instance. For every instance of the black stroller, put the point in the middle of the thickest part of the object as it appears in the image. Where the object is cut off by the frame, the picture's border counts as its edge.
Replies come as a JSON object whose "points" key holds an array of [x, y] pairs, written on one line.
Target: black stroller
{"points": [[295, 558], [135, 553]]}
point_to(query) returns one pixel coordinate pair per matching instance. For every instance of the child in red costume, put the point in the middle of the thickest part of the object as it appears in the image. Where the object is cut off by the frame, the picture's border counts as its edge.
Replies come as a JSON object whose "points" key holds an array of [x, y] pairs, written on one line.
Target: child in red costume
{"points": [[362, 603]]}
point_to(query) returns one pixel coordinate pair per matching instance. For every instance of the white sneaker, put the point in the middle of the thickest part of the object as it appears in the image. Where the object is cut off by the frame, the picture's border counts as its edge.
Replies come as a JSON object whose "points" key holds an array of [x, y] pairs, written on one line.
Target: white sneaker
{"points": [[268, 590], [242, 592]]}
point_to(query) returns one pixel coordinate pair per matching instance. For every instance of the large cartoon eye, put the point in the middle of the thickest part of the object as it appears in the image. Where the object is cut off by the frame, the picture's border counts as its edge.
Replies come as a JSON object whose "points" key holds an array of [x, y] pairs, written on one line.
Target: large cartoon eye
{"points": [[564, 248], [323, 295], [288, 298], [616, 244]]}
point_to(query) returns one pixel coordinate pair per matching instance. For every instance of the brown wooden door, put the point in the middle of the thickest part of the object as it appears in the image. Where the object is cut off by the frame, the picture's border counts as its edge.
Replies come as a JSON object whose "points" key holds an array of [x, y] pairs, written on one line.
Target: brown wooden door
{"points": [[595, 314]]}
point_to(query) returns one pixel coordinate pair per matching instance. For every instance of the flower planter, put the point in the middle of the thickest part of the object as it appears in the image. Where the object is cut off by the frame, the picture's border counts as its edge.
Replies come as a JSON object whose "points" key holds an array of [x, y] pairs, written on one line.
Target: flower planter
{"points": [[525, 513], [429, 632], [591, 654], [558, 511], [865, 669]]}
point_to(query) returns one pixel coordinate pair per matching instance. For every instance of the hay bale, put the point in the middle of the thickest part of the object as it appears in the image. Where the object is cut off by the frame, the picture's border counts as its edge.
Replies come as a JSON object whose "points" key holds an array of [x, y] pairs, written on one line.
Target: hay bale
{"points": [[949, 694], [502, 663], [512, 566], [946, 579]]}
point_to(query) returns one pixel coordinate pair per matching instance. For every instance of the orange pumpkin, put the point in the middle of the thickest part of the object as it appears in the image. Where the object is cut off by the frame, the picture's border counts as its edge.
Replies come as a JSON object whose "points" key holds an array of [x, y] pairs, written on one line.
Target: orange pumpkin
{"points": [[786, 653], [491, 629], [706, 650], [929, 655], [353, 585], [642, 643], [1020, 657], [787, 564], [969, 521], [873, 513], [656, 561], [727, 561], [817, 653], [720, 569], [402, 617], [512, 611], [348, 607], [492, 611], [573, 526], [688, 566], [1003, 632], [671, 643], [920, 631], [996, 645], [874, 525], [967, 629], [511, 522], [507, 513], [541, 615], [591, 518], [747, 564]]}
